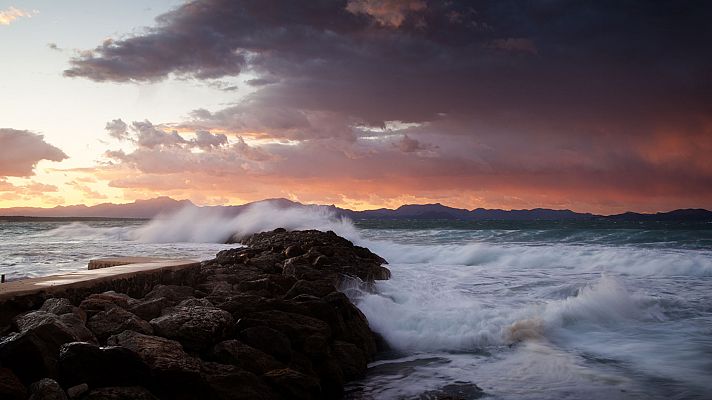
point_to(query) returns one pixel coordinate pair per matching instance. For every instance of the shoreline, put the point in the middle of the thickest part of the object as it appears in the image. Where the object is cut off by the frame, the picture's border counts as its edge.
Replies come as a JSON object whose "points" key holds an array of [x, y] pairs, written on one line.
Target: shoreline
{"points": [[262, 321]]}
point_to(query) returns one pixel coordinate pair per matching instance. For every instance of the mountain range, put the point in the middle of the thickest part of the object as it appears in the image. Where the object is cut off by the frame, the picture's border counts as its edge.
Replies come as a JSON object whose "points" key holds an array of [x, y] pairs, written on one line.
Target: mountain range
{"points": [[153, 207]]}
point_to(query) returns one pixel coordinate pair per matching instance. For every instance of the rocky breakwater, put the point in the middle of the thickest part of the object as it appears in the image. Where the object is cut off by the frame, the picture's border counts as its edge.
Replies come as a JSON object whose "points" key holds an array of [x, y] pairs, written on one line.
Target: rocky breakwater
{"points": [[264, 321]]}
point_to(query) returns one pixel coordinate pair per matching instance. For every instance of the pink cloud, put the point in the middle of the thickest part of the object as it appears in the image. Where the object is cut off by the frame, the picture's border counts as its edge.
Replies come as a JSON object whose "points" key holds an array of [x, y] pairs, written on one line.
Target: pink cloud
{"points": [[21, 150]]}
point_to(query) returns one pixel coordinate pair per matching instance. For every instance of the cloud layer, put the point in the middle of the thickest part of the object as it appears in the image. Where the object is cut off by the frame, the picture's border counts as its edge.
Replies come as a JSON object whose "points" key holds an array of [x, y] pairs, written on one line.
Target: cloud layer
{"points": [[592, 106]]}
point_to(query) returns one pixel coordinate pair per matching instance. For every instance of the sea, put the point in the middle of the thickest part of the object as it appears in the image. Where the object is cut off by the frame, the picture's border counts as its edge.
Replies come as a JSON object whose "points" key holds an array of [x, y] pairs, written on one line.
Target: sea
{"points": [[487, 309]]}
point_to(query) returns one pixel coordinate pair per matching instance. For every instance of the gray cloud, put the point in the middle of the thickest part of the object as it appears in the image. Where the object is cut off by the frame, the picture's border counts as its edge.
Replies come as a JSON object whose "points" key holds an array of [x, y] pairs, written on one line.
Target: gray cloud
{"points": [[21, 150], [117, 129]]}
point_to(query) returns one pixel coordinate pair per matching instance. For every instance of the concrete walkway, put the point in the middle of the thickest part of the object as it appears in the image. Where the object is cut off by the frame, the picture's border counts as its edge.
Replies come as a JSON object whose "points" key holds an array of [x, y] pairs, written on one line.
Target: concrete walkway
{"points": [[101, 271]]}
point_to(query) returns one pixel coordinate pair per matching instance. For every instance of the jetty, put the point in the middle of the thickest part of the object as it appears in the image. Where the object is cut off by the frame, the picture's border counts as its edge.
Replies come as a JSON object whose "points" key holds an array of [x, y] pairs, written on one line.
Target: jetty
{"points": [[132, 275]]}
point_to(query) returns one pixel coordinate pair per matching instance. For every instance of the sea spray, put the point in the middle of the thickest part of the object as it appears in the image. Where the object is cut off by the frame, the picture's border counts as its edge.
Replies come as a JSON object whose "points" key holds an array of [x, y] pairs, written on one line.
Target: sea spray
{"points": [[192, 224]]}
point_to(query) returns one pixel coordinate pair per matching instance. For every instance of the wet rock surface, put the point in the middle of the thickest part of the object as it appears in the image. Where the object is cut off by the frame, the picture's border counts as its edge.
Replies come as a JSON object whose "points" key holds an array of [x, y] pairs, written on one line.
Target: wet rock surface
{"points": [[265, 321]]}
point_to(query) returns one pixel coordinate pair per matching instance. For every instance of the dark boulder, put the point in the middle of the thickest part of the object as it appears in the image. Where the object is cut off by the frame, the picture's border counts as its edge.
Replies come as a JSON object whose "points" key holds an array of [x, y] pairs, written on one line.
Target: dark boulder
{"points": [[293, 384], [296, 327], [351, 360], [294, 250], [227, 382], [29, 356], [271, 341], [318, 288], [356, 329], [61, 306], [10, 386], [106, 301], [116, 320], [172, 367], [77, 391], [70, 322], [81, 362], [173, 293], [47, 389], [195, 327], [234, 352], [241, 305], [150, 308], [120, 393], [76, 325], [193, 302], [32, 354]]}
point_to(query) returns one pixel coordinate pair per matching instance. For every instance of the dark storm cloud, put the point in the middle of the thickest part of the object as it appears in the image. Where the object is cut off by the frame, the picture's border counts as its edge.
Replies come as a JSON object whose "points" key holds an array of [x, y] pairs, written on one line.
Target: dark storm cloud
{"points": [[553, 59], [544, 91]]}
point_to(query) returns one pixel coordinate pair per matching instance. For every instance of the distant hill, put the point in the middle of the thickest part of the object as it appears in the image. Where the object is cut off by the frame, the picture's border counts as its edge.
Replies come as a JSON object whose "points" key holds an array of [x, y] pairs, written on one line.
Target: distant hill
{"points": [[153, 207], [688, 214], [439, 211], [138, 209]]}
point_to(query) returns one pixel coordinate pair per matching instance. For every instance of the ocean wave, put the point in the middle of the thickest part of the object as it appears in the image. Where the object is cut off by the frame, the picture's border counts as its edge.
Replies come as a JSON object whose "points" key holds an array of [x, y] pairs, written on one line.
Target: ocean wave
{"points": [[84, 231], [421, 313], [583, 258], [598, 306]]}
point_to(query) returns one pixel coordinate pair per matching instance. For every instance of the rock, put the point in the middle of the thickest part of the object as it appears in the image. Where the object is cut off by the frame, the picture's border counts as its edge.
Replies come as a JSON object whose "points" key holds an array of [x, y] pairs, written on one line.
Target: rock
{"points": [[195, 327], [293, 268], [296, 327], [28, 356], [70, 322], [116, 320], [47, 389], [343, 256], [32, 354], [321, 261], [233, 256], [356, 328], [351, 360], [293, 251], [331, 378], [243, 304], [192, 302], [76, 326], [34, 319], [168, 362], [81, 362], [313, 288], [10, 386], [267, 286], [234, 352], [227, 382], [270, 341], [173, 293], [380, 273], [120, 393], [106, 301], [316, 347], [58, 306], [293, 384], [149, 309], [78, 390]]}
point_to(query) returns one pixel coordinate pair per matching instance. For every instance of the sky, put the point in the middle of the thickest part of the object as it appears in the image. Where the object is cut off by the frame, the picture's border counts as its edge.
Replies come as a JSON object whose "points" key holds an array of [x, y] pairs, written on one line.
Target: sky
{"points": [[597, 106]]}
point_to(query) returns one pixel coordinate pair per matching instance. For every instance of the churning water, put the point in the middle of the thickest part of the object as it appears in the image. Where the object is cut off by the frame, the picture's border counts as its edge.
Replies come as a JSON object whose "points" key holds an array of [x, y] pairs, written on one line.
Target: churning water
{"points": [[523, 310]]}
